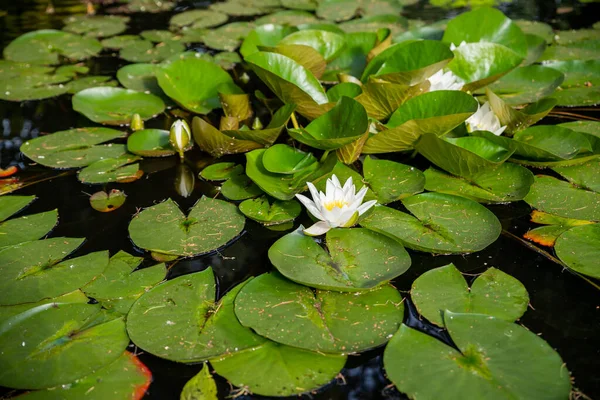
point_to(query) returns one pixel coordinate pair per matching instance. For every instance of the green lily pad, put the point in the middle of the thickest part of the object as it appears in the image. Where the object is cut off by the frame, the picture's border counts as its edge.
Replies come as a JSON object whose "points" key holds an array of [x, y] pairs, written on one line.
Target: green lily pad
{"points": [[201, 387], [527, 84], [554, 226], [126, 377], [285, 186], [96, 25], [140, 77], [73, 148], [328, 44], [163, 228], [287, 17], [47, 45], [537, 28], [496, 360], [382, 99], [34, 86], [198, 19], [290, 81], [10, 205], [567, 53], [217, 143], [111, 170], [357, 259], [159, 35], [508, 182], [87, 82], [107, 202], [346, 122], [492, 293], [580, 87], [435, 112], [273, 369], [324, 321], [144, 51], [26, 228], [33, 270], [268, 35], [586, 175], [550, 143], [267, 136], [517, 120], [195, 84], [240, 187], [395, 23], [221, 171], [56, 344], [150, 143], [194, 325], [283, 159], [578, 248], [118, 42], [441, 224], [270, 212], [239, 8], [564, 199], [121, 284], [535, 49], [348, 89], [116, 106], [391, 181], [76, 296]]}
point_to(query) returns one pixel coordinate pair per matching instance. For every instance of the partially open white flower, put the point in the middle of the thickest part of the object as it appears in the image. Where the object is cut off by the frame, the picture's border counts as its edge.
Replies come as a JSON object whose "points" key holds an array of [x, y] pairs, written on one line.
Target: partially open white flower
{"points": [[180, 136], [338, 207], [484, 119], [445, 81]]}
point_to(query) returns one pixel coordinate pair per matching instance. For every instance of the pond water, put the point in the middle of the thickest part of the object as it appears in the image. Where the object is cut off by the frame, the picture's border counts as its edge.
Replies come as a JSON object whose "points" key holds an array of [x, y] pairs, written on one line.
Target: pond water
{"points": [[563, 306]]}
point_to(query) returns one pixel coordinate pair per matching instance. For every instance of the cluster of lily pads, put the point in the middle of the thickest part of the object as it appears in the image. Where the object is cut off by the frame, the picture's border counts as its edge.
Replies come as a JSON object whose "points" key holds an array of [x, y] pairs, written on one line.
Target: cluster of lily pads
{"points": [[348, 81]]}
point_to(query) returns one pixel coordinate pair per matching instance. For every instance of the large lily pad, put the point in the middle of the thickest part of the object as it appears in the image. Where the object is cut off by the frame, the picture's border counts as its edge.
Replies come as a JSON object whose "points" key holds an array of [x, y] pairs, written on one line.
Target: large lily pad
{"points": [[126, 377], [145, 51], [33, 271], [324, 321], [382, 99], [586, 175], [116, 106], [198, 19], [96, 25], [217, 143], [195, 83], [356, 259], [122, 283], [194, 326], [527, 84], [391, 181], [270, 212], [273, 369], [120, 170], [163, 228], [27, 228], [10, 205], [201, 387], [579, 248], [150, 143], [56, 344], [47, 45], [264, 35], [496, 360], [441, 223], [328, 44], [550, 143], [492, 293], [141, 77]]}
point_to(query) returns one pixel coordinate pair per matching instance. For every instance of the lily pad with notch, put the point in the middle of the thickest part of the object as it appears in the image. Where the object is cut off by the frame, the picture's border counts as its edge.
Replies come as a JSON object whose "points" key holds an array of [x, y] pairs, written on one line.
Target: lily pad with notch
{"points": [[527, 84], [194, 325], [353, 260], [27, 227], [240, 187], [391, 181], [120, 170], [579, 249], [270, 213], [96, 26], [163, 228], [201, 386], [107, 202], [145, 51], [321, 320], [221, 171]]}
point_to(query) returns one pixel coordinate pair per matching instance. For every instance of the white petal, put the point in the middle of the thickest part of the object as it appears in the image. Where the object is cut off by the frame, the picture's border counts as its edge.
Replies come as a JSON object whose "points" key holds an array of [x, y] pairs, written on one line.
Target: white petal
{"points": [[336, 181], [330, 187], [317, 229], [348, 184], [310, 206], [363, 208], [313, 191], [498, 132]]}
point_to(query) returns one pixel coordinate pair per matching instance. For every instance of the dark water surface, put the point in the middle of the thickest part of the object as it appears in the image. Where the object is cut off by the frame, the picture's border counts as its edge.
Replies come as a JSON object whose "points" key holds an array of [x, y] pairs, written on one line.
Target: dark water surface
{"points": [[564, 308]]}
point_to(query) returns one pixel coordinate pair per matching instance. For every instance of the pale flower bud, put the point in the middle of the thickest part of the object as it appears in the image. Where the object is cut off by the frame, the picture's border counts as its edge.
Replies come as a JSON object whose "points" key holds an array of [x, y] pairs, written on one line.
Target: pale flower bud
{"points": [[180, 136]]}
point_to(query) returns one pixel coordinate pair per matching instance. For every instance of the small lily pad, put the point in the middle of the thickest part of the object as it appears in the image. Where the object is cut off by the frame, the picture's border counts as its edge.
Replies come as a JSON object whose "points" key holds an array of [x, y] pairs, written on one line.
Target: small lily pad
{"points": [[357, 259], [492, 293], [119, 170], [198, 19], [324, 321], [96, 25], [270, 212], [201, 387], [579, 248], [106, 202], [163, 228], [116, 106], [194, 325], [240, 187], [144, 51], [150, 143], [221, 171]]}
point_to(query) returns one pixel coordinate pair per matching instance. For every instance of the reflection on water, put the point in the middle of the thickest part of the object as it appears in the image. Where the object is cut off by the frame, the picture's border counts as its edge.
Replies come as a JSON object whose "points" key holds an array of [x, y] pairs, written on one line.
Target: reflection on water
{"points": [[564, 307]]}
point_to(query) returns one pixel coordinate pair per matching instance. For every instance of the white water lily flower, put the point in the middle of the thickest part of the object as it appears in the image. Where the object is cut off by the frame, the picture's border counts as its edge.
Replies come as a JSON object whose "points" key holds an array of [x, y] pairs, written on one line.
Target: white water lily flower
{"points": [[180, 136], [484, 119], [338, 207], [445, 81], [454, 47]]}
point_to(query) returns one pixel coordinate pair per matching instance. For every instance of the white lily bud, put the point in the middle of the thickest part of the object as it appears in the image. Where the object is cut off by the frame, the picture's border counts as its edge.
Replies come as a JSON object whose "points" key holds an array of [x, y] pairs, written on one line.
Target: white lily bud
{"points": [[180, 136]]}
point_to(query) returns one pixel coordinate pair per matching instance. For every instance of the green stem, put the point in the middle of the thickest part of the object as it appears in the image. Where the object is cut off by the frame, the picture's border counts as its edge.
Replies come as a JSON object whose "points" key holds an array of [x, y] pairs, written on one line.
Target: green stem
{"points": [[294, 122], [324, 156]]}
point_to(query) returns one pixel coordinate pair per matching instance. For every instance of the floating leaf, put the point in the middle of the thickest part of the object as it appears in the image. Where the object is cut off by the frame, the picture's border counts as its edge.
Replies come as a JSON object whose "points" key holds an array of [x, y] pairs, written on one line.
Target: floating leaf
{"points": [[381, 99], [118, 42], [216, 143], [549, 143], [56, 344], [150, 143], [492, 293], [391, 181], [328, 44], [287, 17], [194, 326], [163, 228], [324, 321], [116, 106], [357, 259], [96, 25], [140, 77], [26, 228], [527, 84], [240, 187], [265, 35], [442, 224], [586, 175], [201, 387], [87, 82], [10, 205], [107, 202], [144, 51], [270, 213], [578, 248], [111, 170], [273, 369], [198, 19], [121, 284], [158, 35], [496, 360], [517, 120], [76, 296], [554, 227], [221, 171]]}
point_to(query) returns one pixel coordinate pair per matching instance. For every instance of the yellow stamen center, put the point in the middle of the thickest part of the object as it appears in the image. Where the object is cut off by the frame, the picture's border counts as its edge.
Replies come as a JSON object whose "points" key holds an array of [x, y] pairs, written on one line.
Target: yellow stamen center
{"points": [[336, 203]]}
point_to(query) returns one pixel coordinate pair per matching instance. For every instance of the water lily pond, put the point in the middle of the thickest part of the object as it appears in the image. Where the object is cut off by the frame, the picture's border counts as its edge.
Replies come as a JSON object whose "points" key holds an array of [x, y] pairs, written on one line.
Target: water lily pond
{"points": [[328, 199]]}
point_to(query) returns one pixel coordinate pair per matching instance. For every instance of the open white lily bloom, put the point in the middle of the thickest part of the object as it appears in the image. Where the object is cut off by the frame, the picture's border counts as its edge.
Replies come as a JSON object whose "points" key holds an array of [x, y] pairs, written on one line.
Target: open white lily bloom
{"points": [[338, 207], [445, 81], [484, 119]]}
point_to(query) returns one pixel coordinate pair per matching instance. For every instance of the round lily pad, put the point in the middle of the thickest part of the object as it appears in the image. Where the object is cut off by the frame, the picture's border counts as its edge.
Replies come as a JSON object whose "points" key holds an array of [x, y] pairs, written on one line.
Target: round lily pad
{"points": [[194, 326], [10, 205], [118, 42], [273, 369], [150, 143], [284, 159], [221, 171], [586, 175], [198, 19], [492, 293], [145, 51], [527, 84], [33, 271], [55, 344], [240, 187], [96, 25], [324, 321], [116, 106], [442, 223], [140, 77], [579, 248], [497, 360], [106, 202], [391, 181], [163, 228], [201, 387], [27, 228], [270, 212], [111, 170], [357, 259]]}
